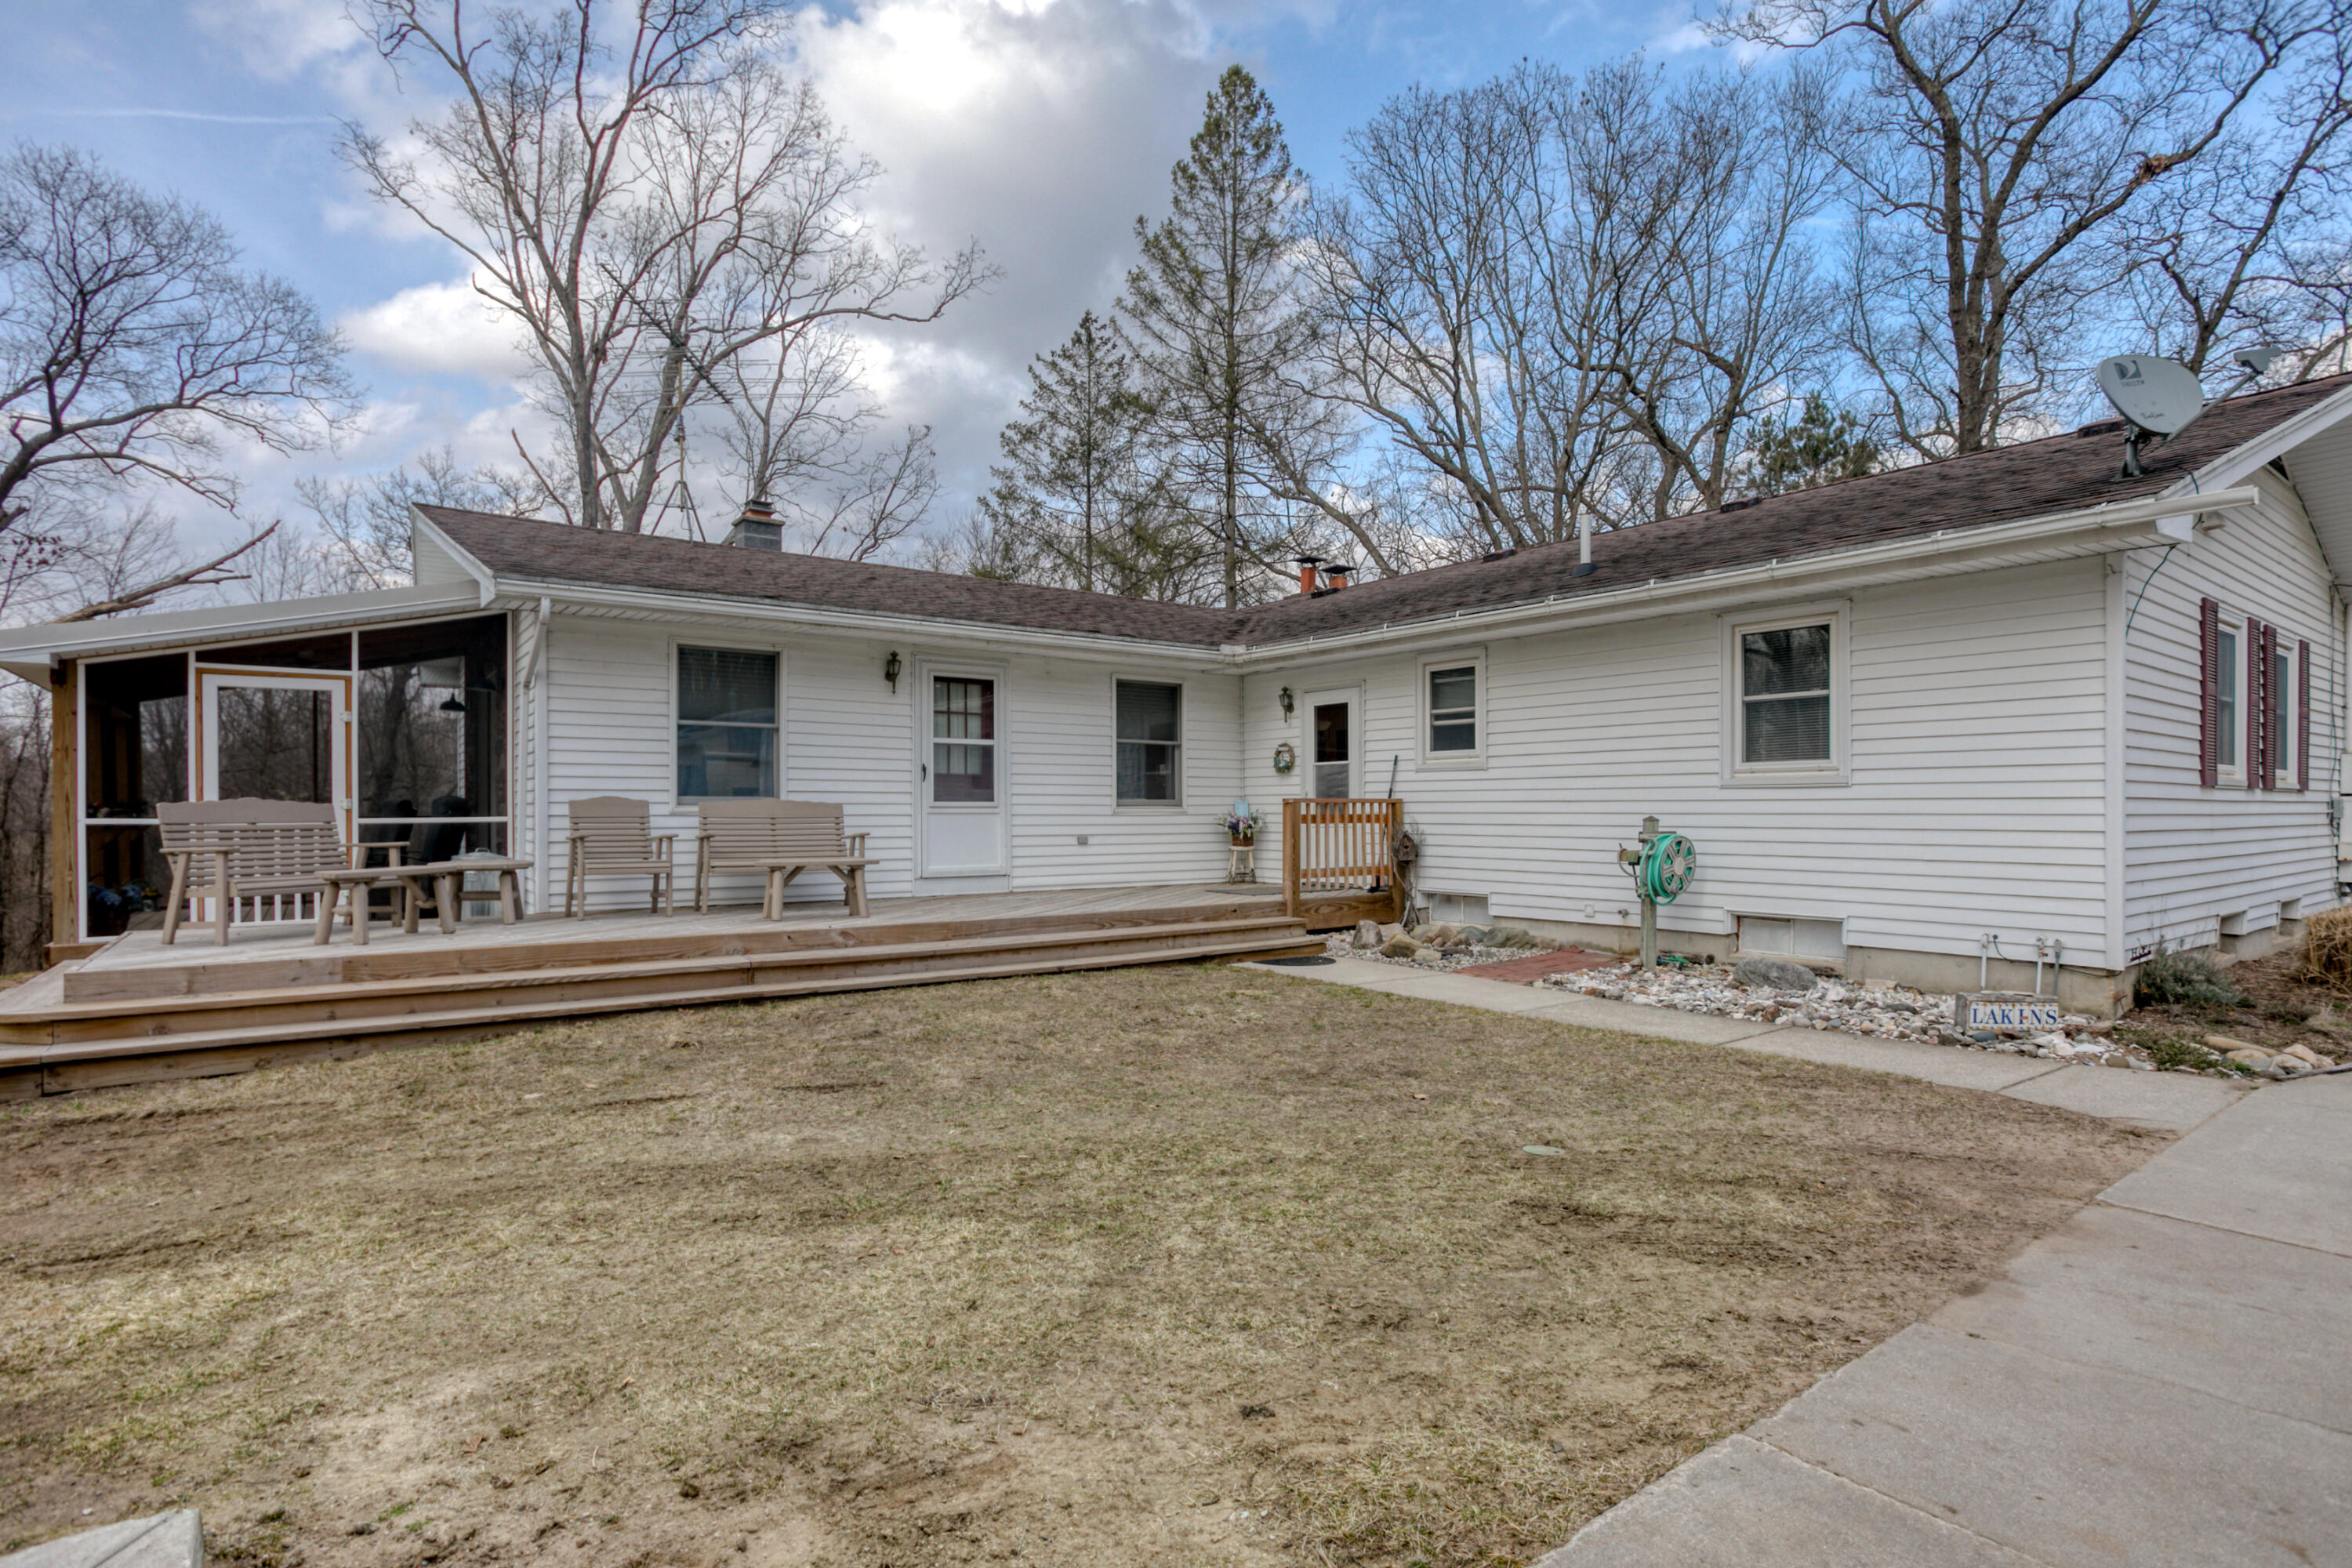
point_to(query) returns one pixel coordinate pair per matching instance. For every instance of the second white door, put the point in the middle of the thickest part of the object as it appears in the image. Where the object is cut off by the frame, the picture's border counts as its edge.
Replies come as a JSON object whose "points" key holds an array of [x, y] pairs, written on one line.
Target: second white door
{"points": [[960, 773]]}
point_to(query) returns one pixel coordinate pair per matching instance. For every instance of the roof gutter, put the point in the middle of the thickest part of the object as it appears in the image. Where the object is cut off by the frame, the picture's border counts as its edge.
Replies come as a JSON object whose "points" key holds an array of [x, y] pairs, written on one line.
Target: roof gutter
{"points": [[1097, 645], [2122, 525]]}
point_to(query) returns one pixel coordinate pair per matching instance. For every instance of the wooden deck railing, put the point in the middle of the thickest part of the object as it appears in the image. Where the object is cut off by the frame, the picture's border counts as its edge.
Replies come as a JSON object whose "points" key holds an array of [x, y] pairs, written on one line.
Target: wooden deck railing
{"points": [[1339, 858]]}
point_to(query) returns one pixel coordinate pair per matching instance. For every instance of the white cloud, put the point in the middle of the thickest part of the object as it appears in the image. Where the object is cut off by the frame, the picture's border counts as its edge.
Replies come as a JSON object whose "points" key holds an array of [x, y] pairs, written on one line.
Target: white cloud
{"points": [[439, 328]]}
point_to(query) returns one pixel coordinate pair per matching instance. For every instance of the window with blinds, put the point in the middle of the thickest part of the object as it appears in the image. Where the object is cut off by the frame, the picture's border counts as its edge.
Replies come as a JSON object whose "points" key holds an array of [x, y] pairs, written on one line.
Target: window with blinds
{"points": [[1149, 725], [727, 724], [1784, 696]]}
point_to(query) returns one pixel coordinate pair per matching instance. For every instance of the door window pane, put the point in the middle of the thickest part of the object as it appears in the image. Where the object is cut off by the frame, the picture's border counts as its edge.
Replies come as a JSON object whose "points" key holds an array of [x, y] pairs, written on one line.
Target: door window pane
{"points": [[1149, 724], [276, 745], [1784, 679], [1453, 708], [963, 740], [726, 731], [1332, 754]]}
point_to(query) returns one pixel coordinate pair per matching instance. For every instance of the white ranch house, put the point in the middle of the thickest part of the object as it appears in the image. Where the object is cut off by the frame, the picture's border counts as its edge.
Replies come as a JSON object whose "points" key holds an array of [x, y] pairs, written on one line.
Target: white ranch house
{"points": [[2014, 697]]}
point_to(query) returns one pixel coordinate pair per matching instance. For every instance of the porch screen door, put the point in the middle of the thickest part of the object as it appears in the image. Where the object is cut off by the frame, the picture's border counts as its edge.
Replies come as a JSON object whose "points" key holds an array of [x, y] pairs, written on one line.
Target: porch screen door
{"points": [[276, 737]]}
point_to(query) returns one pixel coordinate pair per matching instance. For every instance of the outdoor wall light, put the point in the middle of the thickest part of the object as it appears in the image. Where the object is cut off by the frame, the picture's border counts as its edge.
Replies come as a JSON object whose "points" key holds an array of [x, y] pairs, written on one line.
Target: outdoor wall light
{"points": [[890, 669], [1289, 703]]}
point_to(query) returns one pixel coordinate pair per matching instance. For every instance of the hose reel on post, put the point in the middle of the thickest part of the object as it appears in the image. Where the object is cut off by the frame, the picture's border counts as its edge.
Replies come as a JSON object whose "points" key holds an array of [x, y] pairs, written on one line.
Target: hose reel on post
{"points": [[1661, 868]]}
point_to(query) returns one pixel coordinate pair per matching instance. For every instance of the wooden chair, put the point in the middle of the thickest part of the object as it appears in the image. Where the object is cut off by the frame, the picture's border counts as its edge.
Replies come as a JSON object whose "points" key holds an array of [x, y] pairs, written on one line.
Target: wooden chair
{"points": [[781, 838], [230, 850], [611, 836]]}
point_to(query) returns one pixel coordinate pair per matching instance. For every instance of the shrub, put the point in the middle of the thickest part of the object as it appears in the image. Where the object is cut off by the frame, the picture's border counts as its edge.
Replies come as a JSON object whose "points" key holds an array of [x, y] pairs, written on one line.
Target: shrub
{"points": [[2182, 978], [2327, 950]]}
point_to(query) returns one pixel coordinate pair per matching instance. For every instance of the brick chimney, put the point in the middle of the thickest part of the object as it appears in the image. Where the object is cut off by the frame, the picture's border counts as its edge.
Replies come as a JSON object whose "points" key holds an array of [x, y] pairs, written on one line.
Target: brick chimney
{"points": [[1336, 576], [756, 528], [1307, 581]]}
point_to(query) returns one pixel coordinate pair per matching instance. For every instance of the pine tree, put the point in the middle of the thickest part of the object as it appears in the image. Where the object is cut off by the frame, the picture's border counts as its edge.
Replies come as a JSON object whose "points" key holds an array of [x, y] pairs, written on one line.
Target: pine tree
{"points": [[1212, 309], [1073, 473], [1815, 448]]}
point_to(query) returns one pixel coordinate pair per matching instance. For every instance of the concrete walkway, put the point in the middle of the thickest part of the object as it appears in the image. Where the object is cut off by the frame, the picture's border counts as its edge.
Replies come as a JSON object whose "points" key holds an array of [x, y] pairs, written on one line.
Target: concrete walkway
{"points": [[2161, 1381], [2176, 1101]]}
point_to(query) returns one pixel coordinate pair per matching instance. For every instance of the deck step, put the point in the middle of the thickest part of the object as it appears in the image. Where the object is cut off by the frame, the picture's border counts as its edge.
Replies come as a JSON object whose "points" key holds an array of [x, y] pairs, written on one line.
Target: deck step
{"points": [[94, 1030], [92, 1064], [199, 971]]}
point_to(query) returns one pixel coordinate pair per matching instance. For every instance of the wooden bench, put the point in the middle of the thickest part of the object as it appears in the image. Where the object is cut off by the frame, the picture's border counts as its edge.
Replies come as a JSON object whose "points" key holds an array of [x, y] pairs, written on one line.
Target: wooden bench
{"points": [[230, 850], [612, 835], [781, 839]]}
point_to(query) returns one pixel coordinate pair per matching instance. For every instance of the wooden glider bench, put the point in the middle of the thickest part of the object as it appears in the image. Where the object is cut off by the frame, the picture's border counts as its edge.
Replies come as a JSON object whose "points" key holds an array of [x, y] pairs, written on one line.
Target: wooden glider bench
{"points": [[781, 838], [229, 850]]}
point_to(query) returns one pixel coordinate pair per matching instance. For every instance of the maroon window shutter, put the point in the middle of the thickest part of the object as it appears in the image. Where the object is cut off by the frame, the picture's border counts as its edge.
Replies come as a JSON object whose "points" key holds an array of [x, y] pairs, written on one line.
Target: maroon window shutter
{"points": [[2303, 715], [2257, 698], [2209, 641]]}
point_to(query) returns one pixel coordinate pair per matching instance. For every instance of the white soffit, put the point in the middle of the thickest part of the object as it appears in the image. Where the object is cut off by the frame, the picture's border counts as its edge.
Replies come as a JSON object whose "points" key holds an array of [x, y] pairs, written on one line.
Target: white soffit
{"points": [[2321, 469]]}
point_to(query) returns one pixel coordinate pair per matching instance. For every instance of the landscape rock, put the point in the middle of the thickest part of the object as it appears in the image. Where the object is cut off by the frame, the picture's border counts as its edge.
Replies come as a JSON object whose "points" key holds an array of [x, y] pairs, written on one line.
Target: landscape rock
{"points": [[1399, 946], [2246, 1056], [1432, 956], [2225, 1045], [1773, 974], [2305, 1053], [1510, 936], [1436, 935], [2285, 1065], [1368, 934], [1472, 936]]}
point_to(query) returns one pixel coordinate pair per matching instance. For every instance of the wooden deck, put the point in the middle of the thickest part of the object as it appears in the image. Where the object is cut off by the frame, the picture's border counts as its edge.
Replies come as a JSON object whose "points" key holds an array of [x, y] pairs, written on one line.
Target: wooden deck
{"points": [[140, 1010]]}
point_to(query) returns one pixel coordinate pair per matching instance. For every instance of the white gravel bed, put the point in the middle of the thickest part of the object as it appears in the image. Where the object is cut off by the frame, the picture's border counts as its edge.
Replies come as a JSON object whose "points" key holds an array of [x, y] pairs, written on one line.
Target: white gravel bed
{"points": [[1885, 1013]]}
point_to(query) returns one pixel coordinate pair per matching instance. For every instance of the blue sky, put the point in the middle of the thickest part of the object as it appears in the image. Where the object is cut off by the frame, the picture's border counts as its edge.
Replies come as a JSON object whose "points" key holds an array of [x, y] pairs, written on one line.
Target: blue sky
{"points": [[1040, 127]]}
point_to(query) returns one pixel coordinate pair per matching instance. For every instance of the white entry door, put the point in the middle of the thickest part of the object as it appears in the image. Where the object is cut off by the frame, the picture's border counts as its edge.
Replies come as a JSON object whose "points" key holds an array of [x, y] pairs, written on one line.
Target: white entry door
{"points": [[1332, 744], [960, 773]]}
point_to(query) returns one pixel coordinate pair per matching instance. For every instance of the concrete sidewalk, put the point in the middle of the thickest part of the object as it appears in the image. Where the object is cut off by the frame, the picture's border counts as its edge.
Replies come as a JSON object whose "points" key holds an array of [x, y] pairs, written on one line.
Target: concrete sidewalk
{"points": [[2175, 1102], [2162, 1381]]}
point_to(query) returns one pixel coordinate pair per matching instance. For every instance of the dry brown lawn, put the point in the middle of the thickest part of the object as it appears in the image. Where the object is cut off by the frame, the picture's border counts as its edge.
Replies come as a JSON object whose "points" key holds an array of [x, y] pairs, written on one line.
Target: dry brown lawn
{"points": [[1175, 1266]]}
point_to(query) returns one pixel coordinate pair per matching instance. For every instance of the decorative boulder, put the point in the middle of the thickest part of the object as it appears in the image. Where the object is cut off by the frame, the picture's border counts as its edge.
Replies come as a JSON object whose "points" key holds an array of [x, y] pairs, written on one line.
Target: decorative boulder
{"points": [[1472, 936], [1436, 935], [1367, 933], [1773, 974], [1510, 936], [1398, 947]]}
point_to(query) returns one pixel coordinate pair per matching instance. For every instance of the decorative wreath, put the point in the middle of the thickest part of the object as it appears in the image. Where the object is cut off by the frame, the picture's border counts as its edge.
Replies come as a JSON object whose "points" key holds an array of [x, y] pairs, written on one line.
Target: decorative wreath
{"points": [[1286, 757]]}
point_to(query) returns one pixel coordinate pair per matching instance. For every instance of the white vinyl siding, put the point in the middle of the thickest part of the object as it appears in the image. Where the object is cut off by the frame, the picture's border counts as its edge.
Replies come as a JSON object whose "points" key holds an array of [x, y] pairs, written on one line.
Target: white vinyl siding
{"points": [[848, 738], [2193, 856], [1972, 799]]}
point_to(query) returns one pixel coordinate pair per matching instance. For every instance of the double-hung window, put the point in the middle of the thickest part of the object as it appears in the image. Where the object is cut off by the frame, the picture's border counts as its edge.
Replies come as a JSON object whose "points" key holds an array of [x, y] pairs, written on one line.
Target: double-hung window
{"points": [[1149, 725], [1452, 709], [963, 740], [2278, 722], [726, 730], [1784, 717], [2229, 707]]}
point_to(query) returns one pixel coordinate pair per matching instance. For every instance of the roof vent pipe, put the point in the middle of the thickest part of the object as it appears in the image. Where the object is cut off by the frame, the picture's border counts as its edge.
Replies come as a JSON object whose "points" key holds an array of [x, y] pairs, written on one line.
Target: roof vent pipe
{"points": [[1584, 566], [756, 528]]}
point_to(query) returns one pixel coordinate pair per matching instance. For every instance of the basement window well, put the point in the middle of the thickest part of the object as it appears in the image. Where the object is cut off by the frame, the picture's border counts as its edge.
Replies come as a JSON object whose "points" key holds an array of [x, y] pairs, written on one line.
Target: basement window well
{"points": [[1458, 909], [1806, 941]]}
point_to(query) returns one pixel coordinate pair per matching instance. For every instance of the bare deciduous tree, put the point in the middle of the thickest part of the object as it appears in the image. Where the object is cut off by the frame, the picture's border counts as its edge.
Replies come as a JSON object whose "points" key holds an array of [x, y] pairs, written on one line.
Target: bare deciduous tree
{"points": [[367, 517], [132, 342], [648, 199], [1993, 148]]}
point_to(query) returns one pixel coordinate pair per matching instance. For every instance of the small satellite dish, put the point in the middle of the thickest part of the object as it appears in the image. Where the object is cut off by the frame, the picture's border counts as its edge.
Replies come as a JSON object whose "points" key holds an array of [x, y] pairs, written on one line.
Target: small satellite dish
{"points": [[2160, 396]]}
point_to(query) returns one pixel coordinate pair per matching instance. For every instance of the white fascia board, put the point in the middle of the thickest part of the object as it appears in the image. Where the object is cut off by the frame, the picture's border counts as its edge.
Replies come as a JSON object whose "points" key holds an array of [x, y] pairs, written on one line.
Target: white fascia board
{"points": [[2239, 462], [905, 628], [2123, 525], [485, 581], [42, 647]]}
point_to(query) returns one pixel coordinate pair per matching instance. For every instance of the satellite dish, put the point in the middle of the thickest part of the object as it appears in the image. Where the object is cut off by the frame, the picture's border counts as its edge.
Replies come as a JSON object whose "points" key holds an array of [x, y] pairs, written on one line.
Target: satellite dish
{"points": [[2160, 396]]}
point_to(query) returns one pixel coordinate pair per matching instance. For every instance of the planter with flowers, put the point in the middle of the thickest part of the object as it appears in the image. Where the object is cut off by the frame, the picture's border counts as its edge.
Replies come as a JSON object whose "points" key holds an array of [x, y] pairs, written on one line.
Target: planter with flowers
{"points": [[1241, 825]]}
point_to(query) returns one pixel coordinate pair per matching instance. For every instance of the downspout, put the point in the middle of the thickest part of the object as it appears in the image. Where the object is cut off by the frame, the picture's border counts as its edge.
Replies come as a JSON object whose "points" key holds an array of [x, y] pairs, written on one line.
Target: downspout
{"points": [[539, 762]]}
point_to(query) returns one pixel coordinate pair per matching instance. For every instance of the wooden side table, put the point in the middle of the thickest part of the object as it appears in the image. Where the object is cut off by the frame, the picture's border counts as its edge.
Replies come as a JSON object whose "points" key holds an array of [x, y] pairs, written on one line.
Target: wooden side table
{"points": [[1241, 862]]}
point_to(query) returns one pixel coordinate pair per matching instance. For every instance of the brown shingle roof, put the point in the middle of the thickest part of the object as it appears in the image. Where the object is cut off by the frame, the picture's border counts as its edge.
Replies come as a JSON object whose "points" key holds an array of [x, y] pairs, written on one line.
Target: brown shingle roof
{"points": [[2031, 478]]}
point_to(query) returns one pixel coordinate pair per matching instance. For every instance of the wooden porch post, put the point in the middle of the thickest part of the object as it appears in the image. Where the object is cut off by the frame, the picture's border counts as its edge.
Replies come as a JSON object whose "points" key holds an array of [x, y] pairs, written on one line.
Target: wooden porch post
{"points": [[65, 886], [1290, 856]]}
